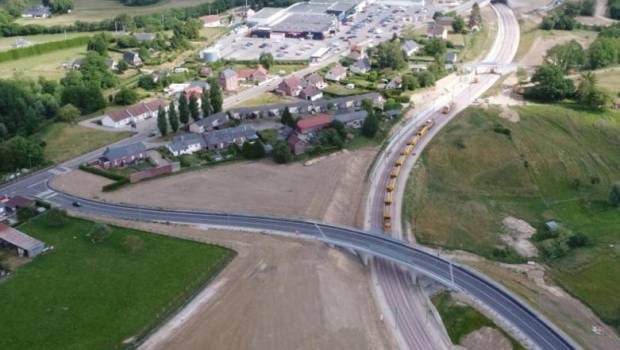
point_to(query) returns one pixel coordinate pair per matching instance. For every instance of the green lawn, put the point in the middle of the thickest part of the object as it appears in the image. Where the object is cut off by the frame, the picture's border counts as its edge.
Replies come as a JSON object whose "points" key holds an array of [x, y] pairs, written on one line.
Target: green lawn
{"points": [[97, 10], [48, 65], [6, 43], [609, 79], [471, 177], [84, 295], [477, 44], [264, 99], [66, 141], [460, 319]]}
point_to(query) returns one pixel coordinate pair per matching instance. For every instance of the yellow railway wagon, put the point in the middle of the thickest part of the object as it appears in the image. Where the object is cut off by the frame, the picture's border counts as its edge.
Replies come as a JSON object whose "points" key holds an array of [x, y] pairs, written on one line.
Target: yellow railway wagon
{"points": [[387, 225], [387, 212], [414, 140], [391, 185], [400, 161], [407, 151], [388, 198], [395, 172]]}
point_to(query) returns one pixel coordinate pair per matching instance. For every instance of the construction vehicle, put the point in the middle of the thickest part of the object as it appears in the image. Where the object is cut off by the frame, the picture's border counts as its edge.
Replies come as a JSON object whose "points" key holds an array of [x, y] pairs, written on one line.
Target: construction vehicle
{"points": [[391, 185], [400, 161], [447, 108], [388, 198], [395, 172]]}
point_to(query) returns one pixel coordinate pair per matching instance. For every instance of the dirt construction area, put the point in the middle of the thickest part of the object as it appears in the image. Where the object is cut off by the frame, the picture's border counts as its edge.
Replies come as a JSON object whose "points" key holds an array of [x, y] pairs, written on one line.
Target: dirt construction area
{"points": [[331, 189], [278, 293]]}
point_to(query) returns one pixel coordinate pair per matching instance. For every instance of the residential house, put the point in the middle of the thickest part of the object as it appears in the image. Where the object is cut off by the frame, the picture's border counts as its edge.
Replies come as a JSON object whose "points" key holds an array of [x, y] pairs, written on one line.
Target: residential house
{"points": [[144, 37], [289, 87], [311, 93], [445, 21], [209, 123], [451, 57], [258, 74], [222, 139], [395, 83], [437, 31], [132, 58], [314, 123], [211, 21], [186, 144], [410, 47], [37, 12], [297, 144], [357, 52], [336, 73], [206, 72], [361, 66], [352, 119], [175, 88], [111, 64], [16, 202], [122, 155], [74, 64], [180, 70], [417, 67], [133, 114], [314, 79], [24, 244], [229, 80]]}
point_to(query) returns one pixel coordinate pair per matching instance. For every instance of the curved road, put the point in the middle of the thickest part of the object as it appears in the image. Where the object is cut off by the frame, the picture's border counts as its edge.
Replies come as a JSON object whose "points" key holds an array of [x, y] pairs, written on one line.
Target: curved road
{"points": [[539, 330]]}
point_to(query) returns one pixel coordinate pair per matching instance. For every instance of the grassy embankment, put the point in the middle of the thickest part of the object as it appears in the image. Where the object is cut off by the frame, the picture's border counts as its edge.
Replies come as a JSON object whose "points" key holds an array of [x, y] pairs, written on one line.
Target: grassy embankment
{"points": [[84, 295], [557, 163], [461, 320]]}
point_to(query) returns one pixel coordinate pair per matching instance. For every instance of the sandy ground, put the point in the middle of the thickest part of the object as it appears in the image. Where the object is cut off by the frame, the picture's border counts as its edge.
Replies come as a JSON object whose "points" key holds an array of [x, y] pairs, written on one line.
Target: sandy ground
{"points": [[330, 190], [278, 293], [541, 44], [517, 234], [486, 338], [530, 283]]}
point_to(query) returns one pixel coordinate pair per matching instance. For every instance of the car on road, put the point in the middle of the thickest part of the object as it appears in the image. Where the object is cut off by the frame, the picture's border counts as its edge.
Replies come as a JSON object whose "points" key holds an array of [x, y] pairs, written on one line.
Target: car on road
{"points": [[76, 204]]}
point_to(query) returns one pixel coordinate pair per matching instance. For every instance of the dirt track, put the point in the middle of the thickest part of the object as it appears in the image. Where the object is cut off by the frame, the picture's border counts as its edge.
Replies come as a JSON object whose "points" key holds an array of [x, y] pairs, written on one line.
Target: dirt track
{"points": [[330, 190], [278, 293]]}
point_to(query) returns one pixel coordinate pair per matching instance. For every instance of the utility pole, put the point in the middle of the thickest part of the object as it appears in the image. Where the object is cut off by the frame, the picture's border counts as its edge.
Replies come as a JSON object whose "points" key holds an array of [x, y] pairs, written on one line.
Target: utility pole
{"points": [[451, 275]]}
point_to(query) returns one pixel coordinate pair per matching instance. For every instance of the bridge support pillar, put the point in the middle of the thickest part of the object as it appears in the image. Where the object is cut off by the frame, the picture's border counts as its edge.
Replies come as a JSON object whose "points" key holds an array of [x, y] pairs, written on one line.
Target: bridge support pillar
{"points": [[414, 277], [366, 258]]}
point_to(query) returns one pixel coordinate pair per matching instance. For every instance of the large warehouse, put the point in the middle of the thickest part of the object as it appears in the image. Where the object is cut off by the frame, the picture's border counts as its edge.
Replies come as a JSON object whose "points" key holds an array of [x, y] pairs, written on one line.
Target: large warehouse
{"points": [[316, 19]]}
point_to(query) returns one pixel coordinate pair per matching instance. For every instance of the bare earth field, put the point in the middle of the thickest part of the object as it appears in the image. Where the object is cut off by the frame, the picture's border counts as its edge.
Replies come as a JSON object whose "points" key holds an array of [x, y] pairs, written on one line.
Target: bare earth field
{"points": [[547, 39], [329, 190], [278, 293]]}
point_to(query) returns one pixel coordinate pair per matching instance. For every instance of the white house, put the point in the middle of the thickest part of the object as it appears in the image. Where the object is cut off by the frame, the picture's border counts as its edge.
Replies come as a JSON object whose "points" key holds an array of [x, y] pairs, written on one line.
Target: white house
{"points": [[336, 73], [133, 114], [186, 144]]}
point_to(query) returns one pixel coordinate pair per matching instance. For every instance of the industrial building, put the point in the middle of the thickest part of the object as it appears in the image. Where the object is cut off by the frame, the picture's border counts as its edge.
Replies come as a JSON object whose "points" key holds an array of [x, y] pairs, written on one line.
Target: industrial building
{"points": [[316, 19]]}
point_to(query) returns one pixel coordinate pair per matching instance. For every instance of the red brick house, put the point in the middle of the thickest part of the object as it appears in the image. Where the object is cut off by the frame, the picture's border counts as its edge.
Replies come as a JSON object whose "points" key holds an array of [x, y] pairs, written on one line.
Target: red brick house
{"points": [[258, 74], [289, 87], [314, 123]]}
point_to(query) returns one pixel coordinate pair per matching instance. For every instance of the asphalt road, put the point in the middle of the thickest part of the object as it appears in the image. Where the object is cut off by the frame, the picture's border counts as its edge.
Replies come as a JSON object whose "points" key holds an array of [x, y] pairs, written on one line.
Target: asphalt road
{"points": [[540, 331]]}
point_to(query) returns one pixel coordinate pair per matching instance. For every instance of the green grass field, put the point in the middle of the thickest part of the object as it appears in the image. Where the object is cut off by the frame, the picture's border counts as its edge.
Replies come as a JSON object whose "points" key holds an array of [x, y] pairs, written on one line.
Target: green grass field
{"points": [[610, 80], [264, 99], [97, 10], [66, 141], [84, 295], [6, 43], [471, 177], [460, 319], [48, 65]]}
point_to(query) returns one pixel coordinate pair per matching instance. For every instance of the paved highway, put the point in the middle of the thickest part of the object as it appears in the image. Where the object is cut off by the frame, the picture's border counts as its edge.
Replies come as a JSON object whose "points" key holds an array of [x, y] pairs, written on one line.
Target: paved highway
{"points": [[538, 329], [414, 326]]}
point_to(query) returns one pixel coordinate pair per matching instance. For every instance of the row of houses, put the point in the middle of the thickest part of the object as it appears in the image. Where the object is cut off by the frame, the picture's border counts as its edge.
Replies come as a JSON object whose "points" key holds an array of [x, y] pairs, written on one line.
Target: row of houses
{"points": [[133, 114], [337, 105], [211, 140]]}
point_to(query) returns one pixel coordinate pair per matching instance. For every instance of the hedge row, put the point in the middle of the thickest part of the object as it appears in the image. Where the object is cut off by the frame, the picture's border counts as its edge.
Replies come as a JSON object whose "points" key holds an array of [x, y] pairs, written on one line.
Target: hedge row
{"points": [[115, 185], [102, 172], [40, 49]]}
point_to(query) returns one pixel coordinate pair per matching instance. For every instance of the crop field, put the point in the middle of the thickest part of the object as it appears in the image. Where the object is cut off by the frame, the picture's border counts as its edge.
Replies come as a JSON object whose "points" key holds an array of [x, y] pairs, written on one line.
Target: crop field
{"points": [[97, 10], [555, 163], [6, 43], [85, 295], [48, 65]]}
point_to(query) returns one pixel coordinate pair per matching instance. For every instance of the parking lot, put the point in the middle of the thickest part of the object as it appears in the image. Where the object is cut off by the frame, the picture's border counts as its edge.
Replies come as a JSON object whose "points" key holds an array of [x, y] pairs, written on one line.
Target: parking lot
{"points": [[376, 23]]}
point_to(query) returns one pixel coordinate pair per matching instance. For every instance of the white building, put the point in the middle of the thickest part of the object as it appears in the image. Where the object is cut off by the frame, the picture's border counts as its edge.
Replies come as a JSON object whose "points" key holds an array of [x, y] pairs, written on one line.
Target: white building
{"points": [[133, 114]]}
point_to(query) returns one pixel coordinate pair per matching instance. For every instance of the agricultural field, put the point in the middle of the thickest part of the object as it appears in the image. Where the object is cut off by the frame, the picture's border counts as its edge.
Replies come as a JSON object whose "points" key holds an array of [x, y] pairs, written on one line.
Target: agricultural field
{"points": [[556, 162], [85, 295], [66, 141], [97, 10], [462, 320], [6, 43], [609, 79], [48, 65]]}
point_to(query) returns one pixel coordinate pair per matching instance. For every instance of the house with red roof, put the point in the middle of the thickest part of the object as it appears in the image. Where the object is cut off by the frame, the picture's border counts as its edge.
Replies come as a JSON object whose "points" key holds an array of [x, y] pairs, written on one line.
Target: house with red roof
{"points": [[258, 74], [297, 144], [313, 123], [132, 114], [211, 21]]}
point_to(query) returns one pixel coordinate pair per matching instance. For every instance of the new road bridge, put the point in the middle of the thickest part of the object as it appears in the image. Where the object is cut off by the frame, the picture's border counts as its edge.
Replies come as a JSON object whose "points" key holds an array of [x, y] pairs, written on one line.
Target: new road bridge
{"points": [[538, 329]]}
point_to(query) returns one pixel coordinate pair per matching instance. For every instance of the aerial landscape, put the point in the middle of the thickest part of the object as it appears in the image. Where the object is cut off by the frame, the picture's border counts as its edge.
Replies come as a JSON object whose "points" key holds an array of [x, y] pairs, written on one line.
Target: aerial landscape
{"points": [[310, 174]]}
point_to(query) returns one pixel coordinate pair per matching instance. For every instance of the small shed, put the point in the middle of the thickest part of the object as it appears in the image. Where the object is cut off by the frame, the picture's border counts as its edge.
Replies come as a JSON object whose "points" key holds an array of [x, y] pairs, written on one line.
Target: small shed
{"points": [[25, 245], [552, 226]]}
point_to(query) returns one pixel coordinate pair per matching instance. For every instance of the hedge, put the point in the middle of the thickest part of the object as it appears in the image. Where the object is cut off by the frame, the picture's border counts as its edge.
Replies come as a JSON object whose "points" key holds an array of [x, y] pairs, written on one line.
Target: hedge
{"points": [[102, 172], [40, 49], [115, 185]]}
